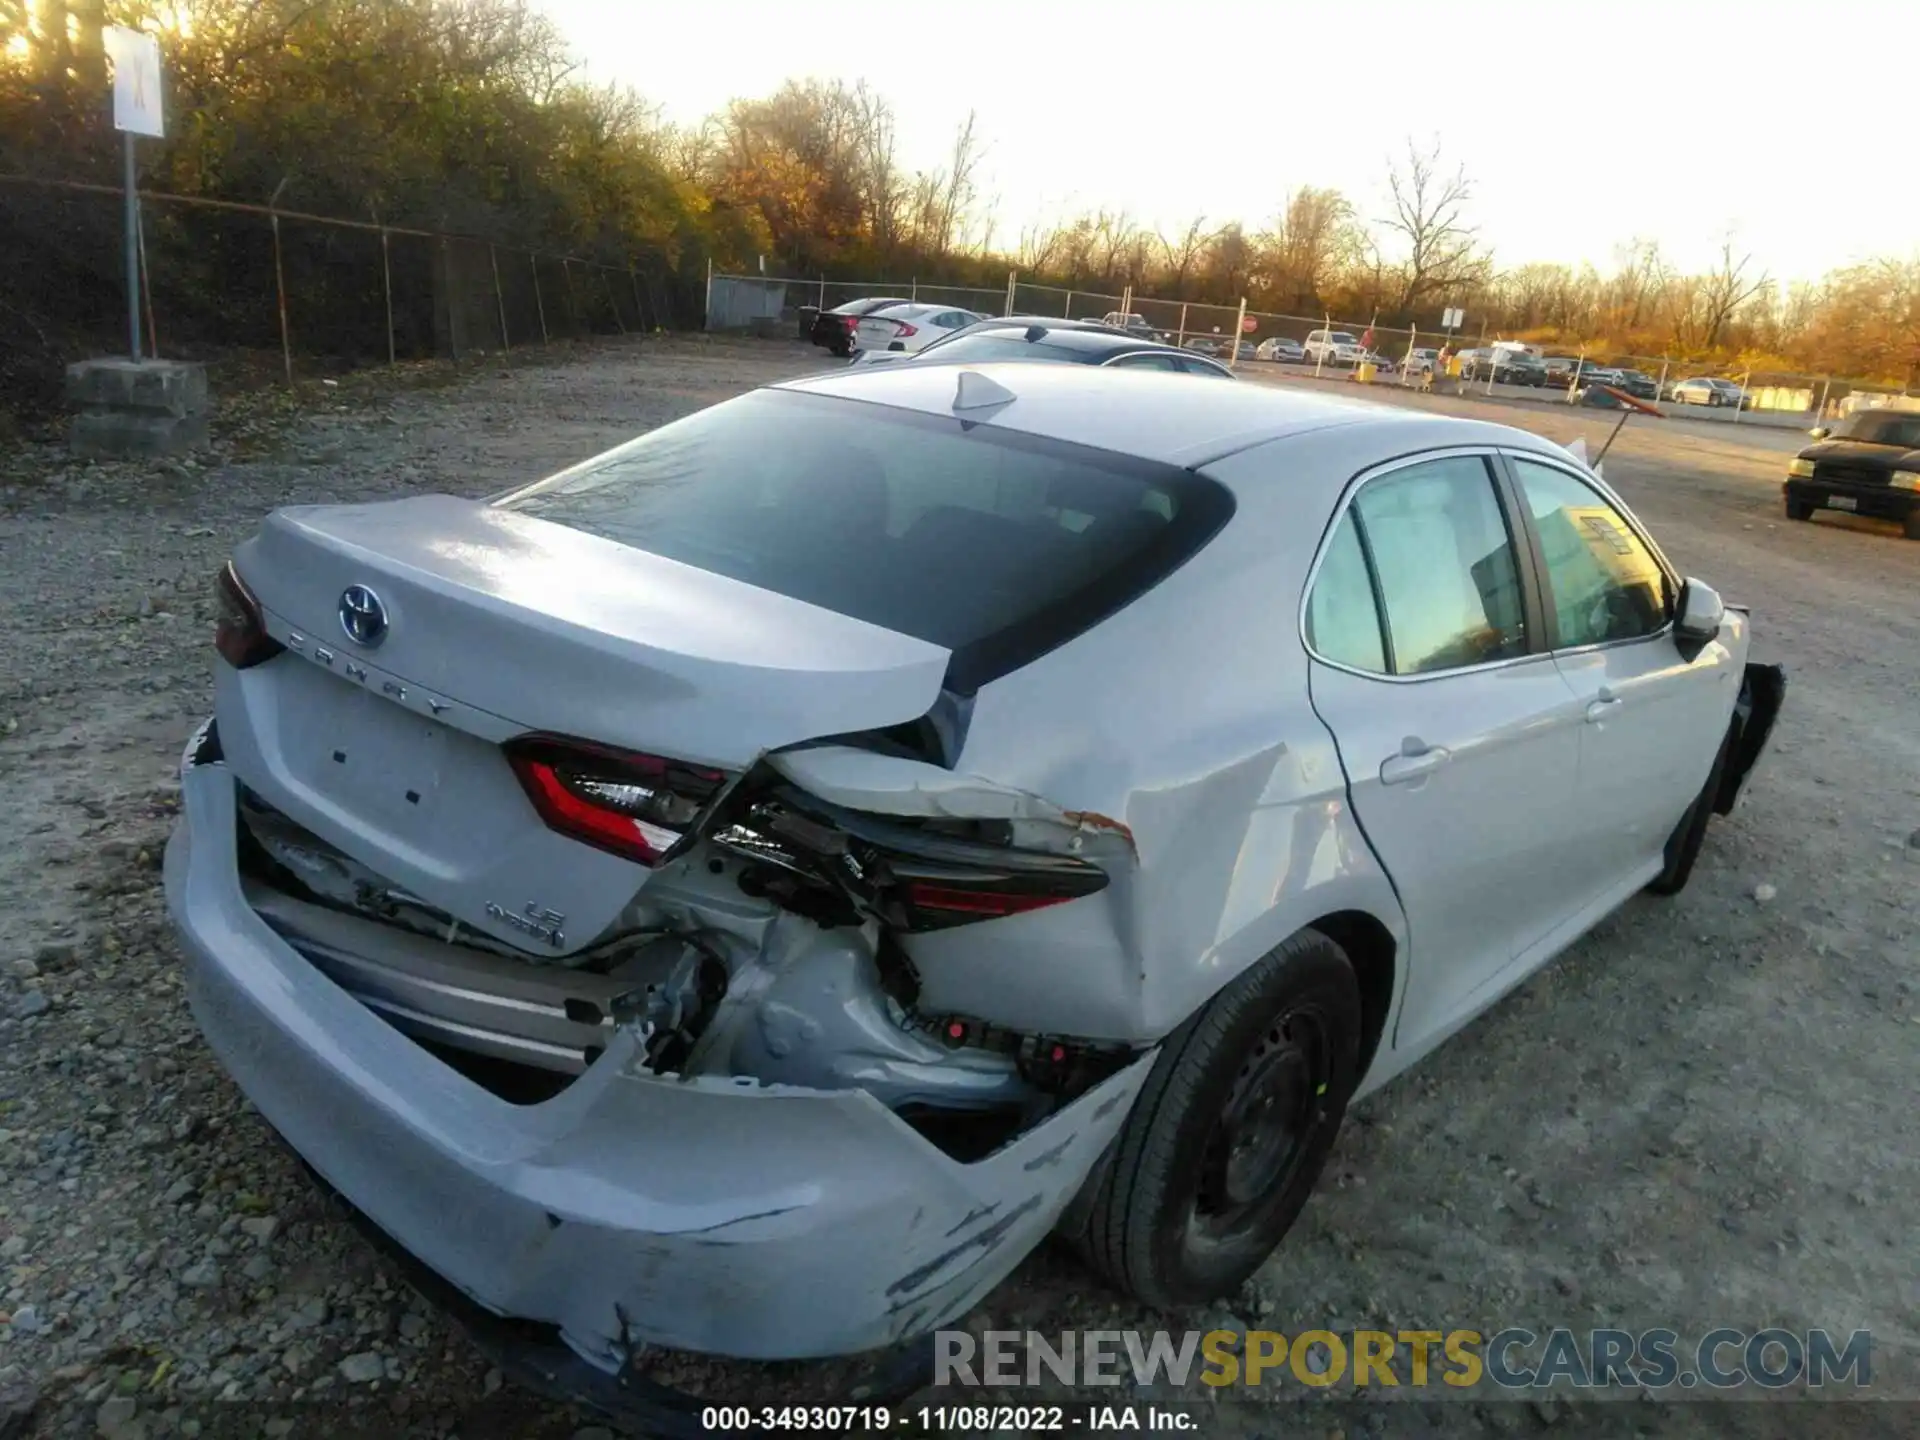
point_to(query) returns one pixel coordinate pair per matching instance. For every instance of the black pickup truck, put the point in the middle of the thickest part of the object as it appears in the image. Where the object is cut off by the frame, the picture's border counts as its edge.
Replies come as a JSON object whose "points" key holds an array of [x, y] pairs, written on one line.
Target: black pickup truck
{"points": [[1869, 465]]}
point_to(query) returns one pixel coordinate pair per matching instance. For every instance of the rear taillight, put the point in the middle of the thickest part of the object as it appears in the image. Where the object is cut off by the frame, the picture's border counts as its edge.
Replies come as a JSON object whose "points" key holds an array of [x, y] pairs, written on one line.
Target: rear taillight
{"points": [[240, 631], [635, 806], [939, 896], [912, 878], [903, 330]]}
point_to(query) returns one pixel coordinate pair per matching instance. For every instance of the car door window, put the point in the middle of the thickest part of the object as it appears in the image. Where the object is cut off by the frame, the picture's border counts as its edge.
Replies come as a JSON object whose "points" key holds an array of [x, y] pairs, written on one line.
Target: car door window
{"points": [[1343, 620], [1445, 566], [1606, 584], [1144, 362]]}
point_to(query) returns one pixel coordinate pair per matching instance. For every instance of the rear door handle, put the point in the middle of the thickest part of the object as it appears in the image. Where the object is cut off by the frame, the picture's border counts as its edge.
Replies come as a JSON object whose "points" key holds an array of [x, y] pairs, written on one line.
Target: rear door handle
{"points": [[1602, 707], [1416, 760]]}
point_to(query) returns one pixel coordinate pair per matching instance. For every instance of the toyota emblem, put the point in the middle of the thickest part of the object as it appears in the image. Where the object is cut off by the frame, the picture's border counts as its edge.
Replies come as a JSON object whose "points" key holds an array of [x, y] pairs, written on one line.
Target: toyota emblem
{"points": [[363, 616]]}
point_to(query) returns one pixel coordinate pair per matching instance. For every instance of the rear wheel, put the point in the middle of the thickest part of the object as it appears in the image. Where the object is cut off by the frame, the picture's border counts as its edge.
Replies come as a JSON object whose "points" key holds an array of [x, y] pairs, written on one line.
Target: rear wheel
{"points": [[1230, 1131]]}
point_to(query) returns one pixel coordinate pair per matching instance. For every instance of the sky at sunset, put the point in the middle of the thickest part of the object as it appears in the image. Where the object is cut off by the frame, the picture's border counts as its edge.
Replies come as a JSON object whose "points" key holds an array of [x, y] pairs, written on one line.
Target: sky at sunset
{"points": [[1582, 126]]}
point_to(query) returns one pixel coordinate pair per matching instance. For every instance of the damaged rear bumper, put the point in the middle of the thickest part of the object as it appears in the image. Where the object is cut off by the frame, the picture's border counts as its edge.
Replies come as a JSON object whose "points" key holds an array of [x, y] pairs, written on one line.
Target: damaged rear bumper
{"points": [[711, 1214]]}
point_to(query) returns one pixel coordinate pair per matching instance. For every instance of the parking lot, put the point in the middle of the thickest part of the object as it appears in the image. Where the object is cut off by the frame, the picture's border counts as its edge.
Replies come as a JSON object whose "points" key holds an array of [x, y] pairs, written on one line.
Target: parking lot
{"points": [[1700, 1116]]}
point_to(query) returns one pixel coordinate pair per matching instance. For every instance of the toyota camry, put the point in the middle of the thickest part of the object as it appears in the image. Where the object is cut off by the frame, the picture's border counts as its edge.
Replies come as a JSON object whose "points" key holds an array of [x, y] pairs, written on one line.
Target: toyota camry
{"points": [[742, 892]]}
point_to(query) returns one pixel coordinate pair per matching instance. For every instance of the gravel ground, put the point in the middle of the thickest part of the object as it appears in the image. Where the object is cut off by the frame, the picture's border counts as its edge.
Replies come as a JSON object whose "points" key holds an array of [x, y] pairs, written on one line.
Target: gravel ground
{"points": [[1700, 1116]]}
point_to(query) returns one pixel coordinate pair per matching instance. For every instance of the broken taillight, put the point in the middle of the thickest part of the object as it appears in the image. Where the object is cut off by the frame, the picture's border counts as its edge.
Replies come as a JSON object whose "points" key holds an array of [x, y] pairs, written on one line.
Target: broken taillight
{"points": [[240, 629], [635, 806], [911, 877], [939, 897]]}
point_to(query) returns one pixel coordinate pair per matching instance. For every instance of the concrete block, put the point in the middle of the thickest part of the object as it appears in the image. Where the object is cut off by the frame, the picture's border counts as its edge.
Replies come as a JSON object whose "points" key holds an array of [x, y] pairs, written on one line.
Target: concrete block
{"points": [[161, 387], [134, 434]]}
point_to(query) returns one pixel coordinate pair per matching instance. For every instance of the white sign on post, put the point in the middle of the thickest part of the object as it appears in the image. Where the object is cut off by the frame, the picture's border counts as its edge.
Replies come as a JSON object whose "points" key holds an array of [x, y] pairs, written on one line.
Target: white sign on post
{"points": [[1452, 319], [136, 81]]}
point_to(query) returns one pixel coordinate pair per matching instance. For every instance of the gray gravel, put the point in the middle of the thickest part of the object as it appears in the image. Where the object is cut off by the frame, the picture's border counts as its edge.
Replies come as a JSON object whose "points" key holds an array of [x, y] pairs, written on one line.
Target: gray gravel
{"points": [[1701, 1116]]}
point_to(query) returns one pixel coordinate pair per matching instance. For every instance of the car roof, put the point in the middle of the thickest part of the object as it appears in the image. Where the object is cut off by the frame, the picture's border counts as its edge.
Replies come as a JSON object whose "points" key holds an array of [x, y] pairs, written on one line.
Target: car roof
{"points": [[1153, 415]]}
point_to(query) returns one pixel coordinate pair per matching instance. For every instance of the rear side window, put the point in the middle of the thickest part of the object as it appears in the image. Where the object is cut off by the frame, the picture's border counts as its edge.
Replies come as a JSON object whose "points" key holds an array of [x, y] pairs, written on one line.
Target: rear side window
{"points": [[1343, 622], [1445, 565], [995, 545]]}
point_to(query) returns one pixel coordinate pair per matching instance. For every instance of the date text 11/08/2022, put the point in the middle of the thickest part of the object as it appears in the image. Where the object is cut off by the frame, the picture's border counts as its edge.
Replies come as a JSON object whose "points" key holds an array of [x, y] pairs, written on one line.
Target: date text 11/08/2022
{"points": [[960, 1419]]}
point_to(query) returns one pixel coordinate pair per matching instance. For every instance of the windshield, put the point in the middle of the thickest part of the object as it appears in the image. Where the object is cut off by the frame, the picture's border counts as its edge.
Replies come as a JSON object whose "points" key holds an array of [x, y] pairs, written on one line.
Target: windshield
{"points": [[1341, 337], [994, 545], [1882, 429]]}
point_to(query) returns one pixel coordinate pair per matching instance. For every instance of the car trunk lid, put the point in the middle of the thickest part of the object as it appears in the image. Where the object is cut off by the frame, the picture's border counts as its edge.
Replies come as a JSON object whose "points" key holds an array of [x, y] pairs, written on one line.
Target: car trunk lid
{"points": [[496, 625]]}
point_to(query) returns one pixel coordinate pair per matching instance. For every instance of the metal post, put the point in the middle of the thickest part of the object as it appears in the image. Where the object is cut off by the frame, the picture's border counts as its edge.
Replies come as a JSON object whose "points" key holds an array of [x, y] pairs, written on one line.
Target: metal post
{"points": [[1326, 339], [386, 289], [1126, 303], [1665, 363], [573, 305], [1239, 325], [612, 304], [1825, 385], [706, 312], [280, 289], [913, 289], [639, 310], [1182, 337], [1068, 312], [1579, 366], [823, 292], [499, 301], [1746, 385], [133, 250], [533, 261], [146, 284], [1013, 278]]}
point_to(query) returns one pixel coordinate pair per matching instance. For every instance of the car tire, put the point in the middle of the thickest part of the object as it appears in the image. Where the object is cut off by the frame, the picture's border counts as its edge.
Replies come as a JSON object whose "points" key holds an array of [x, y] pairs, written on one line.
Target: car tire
{"points": [[1683, 846], [1285, 1036], [1911, 527], [1798, 509]]}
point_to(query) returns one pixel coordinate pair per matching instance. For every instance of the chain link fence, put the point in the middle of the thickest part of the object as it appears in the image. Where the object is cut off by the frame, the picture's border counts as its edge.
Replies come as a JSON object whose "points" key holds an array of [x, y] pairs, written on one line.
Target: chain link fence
{"points": [[1764, 396], [316, 293]]}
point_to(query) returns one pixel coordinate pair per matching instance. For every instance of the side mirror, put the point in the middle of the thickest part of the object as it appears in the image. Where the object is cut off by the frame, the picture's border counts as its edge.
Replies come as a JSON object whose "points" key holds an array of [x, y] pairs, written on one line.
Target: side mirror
{"points": [[1701, 611], [1819, 432]]}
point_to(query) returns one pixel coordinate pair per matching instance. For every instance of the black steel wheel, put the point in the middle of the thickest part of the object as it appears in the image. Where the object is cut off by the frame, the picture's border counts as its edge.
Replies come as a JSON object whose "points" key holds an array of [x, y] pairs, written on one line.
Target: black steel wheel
{"points": [[1230, 1131]]}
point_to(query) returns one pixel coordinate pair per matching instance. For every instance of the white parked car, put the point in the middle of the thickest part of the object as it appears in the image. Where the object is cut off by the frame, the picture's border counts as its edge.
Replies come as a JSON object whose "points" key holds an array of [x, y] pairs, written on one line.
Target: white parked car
{"points": [[1280, 348], [907, 328], [742, 892], [1420, 362], [1333, 347]]}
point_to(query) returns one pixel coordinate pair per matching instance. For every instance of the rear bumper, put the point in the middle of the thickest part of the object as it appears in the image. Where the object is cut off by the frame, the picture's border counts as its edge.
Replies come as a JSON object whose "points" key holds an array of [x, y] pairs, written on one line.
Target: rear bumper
{"points": [[1882, 501], [713, 1214]]}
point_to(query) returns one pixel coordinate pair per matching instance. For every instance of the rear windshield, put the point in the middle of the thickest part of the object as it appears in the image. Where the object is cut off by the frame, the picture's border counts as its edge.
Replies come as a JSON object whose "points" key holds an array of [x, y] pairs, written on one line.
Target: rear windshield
{"points": [[1011, 345], [994, 545]]}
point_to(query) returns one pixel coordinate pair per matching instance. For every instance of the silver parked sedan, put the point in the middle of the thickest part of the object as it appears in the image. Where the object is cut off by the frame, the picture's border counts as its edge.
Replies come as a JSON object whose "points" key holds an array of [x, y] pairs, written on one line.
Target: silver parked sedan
{"points": [[742, 892]]}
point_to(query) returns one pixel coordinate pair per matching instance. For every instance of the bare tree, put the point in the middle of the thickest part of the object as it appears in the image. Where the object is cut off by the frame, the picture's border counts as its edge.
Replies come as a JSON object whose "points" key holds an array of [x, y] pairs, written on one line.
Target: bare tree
{"points": [[1183, 253], [1429, 208], [1723, 291]]}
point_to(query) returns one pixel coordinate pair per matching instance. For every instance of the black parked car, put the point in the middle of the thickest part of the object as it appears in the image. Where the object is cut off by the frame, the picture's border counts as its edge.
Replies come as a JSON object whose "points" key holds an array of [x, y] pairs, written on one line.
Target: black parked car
{"points": [[1506, 367], [1870, 465], [1073, 342], [834, 328], [1639, 384]]}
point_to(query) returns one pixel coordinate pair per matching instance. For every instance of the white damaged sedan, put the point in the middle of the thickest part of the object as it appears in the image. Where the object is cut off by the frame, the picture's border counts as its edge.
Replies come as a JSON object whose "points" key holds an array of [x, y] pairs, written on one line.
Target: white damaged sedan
{"points": [[742, 893]]}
